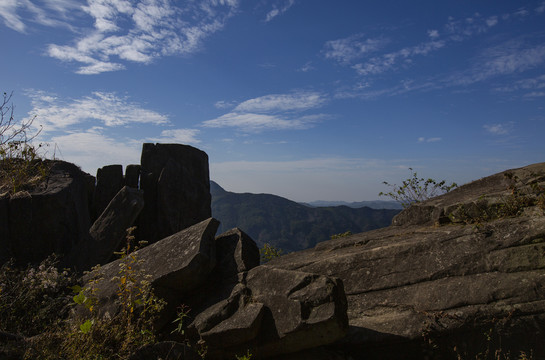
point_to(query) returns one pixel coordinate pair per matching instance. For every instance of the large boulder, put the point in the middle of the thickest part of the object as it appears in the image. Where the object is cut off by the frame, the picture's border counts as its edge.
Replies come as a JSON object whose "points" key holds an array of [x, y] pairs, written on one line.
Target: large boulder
{"points": [[176, 184], [52, 217], [421, 282], [107, 233], [174, 266]]}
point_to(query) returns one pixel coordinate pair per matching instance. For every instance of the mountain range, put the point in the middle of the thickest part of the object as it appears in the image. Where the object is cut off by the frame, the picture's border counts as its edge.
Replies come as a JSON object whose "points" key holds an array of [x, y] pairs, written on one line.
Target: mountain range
{"points": [[289, 225]]}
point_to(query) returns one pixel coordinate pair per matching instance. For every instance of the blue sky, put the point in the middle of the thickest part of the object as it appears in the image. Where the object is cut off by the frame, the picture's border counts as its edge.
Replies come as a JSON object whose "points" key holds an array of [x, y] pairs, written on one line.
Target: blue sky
{"points": [[307, 99]]}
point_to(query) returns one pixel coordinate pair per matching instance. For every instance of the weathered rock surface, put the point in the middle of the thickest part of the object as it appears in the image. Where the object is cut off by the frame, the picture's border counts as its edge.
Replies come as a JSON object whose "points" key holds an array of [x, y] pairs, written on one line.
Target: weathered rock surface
{"points": [[51, 218], [451, 283], [110, 229], [274, 312], [175, 265], [176, 184]]}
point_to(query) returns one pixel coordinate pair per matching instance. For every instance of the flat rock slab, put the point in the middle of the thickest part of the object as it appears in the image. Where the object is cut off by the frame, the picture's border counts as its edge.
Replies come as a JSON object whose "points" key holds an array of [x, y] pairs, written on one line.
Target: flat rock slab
{"points": [[400, 281]]}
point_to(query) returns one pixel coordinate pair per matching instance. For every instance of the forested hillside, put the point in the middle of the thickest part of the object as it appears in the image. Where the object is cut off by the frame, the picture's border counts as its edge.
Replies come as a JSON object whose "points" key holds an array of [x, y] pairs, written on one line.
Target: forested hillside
{"points": [[289, 225]]}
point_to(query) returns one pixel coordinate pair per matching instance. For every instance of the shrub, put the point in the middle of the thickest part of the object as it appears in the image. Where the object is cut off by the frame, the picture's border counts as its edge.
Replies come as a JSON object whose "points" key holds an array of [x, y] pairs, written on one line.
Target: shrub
{"points": [[21, 164], [415, 189], [269, 252]]}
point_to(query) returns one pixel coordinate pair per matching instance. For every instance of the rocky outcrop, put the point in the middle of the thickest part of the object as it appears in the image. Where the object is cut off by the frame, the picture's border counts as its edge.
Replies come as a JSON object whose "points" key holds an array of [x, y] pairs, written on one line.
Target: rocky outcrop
{"points": [[420, 282], [109, 230], [53, 217], [274, 312], [176, 185], [174, 266], [235, 304]]}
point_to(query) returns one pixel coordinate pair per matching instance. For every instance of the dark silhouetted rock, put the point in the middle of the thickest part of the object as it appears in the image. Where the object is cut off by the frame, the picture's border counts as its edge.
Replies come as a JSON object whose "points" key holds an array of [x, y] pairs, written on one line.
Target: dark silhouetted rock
{"points": [[132, 176], [52, 217], [5, 254], [176, 185], [108, 183], [110, 229]]}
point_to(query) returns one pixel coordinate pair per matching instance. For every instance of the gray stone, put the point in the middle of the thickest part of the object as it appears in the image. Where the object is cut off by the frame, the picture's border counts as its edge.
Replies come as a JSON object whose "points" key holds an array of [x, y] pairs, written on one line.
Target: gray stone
{"points": [[108, 183], [454, 281], [175, 265], [110, 229], [275, 312], [236, 253], [132, 176]]}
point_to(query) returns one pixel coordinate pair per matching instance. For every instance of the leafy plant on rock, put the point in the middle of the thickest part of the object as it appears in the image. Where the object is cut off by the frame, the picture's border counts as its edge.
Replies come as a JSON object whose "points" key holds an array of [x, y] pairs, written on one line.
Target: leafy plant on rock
{"points": [[415, 189], [21, 163], [269, 252]]}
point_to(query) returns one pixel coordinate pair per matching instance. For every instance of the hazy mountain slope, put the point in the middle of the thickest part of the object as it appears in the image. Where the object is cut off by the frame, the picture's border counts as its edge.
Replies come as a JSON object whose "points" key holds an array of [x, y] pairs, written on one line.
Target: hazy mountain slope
{"points": [[287, 224], [377, 204]]}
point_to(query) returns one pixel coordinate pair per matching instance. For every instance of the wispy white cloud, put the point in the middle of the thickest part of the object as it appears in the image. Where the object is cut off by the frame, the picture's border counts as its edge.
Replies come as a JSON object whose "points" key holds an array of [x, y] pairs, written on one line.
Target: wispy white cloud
{"points": [[107, 109], [273, 112], [251, 122], [90, 148], [223, 104], [511, 57], [499, 129], [297, 101], [540, 9], [534, 83], [279, 9], [307, 67], [123, 31], [182, 136], [535, 94], [429, 140], [433, 34], [380, 64], [351, 48], [47, 13]]}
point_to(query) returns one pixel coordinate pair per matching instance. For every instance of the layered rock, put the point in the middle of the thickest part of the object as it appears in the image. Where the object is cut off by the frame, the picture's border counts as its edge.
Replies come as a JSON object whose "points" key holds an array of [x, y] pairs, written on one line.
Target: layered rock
{"points": [[418, 281]]}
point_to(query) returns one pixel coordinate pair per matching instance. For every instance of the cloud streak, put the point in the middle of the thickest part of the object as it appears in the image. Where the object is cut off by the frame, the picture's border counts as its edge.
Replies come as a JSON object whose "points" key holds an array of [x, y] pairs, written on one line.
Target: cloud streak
{"points": [[51, 13], [108, 109], [278, 10], [351, 48], [123, 31], [272, 112]]}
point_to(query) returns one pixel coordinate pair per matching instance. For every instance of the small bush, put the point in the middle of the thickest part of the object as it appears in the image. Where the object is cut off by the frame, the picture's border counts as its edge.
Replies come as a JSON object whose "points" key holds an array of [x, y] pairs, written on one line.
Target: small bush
{"points": [[415, 189], [21, 164], [269, 252]]}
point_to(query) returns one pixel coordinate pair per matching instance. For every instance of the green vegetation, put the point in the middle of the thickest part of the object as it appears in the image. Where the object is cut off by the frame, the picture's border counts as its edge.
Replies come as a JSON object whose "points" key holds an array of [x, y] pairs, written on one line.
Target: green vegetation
{"points": [[269, 252], [35, 304], [520, 197], [21, 164], [341, 235], [415, 189]]}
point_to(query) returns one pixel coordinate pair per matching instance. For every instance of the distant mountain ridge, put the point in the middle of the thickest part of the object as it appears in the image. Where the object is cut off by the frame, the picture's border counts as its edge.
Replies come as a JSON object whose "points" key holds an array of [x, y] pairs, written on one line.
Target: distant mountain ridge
{"points": [[377, 204], [289, 225]]}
